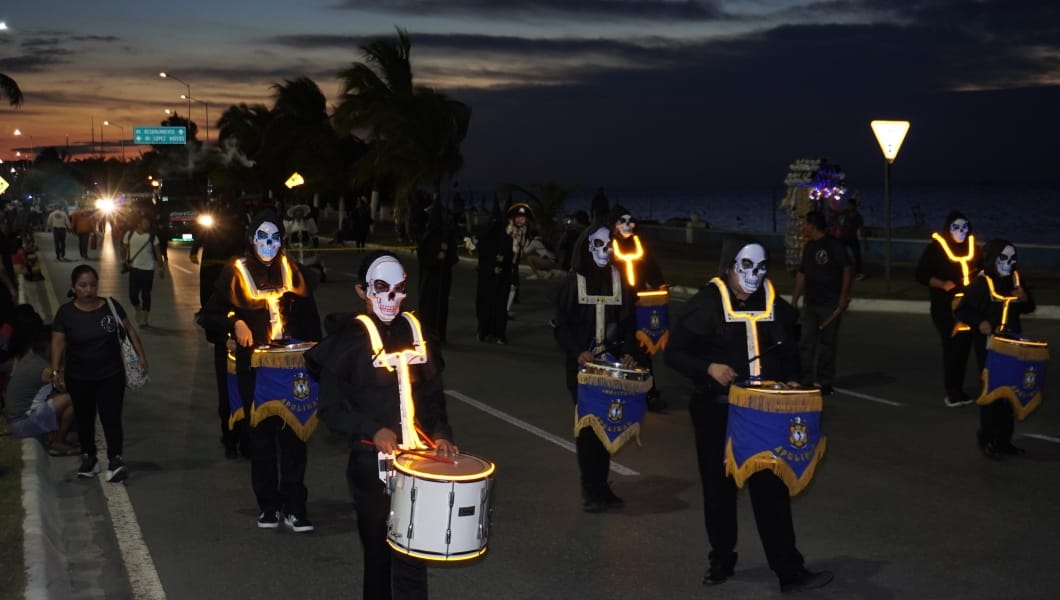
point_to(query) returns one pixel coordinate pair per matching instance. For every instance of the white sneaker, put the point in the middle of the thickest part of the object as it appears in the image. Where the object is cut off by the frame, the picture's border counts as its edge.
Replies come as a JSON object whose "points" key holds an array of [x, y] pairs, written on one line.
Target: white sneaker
{"points": [[268, 520], [298, 524]]}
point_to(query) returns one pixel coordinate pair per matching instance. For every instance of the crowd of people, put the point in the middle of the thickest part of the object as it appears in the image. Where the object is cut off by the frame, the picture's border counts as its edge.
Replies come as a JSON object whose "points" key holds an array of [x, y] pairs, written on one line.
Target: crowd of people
{"points": [[255, 298]]}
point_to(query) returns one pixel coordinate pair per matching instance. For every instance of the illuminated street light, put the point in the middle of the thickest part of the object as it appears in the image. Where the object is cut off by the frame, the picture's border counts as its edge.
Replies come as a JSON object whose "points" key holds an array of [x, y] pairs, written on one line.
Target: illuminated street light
{"points": [[32, 153], [889, 135], [109, 124], [165, 75], [207, 109]]}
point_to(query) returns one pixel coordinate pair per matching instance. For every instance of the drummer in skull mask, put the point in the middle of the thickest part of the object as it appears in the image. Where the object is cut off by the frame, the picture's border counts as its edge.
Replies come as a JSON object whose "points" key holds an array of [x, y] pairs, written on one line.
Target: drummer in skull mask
{"points": [[992, 304], [360, 398], [260, 299], [735, 329], [594, 318]]}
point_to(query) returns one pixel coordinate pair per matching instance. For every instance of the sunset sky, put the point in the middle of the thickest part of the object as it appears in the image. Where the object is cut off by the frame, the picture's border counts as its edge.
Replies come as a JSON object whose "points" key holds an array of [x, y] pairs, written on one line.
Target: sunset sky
{"points": [[635, 93]]}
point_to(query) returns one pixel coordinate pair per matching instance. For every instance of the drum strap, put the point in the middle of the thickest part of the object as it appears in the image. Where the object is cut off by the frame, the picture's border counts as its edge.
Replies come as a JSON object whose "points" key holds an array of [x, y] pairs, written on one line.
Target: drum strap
{"points": [[961, 260], [750, 319], [400, 361], [601, 302]]}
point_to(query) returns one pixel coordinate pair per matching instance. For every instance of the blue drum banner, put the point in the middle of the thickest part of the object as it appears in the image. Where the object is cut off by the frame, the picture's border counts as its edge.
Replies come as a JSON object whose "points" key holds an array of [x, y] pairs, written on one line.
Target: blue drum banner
{"points": [[235, 401], [653, 319], [283, 388], [1015, 372], [776, 429], [612, 407]]}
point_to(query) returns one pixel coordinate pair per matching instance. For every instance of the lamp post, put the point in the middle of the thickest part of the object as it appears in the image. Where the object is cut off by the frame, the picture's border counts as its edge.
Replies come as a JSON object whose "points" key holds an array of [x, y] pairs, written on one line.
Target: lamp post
{"points": [[889, 135], [18, 132], [206, 107], [122, 129], [165, 75], [102, 156]]}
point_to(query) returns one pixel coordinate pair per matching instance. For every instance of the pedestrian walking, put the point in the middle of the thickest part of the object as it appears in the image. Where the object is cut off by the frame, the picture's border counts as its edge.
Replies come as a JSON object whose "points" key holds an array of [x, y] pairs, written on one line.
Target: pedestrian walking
{"points": [[141, 253], [59, 222]]}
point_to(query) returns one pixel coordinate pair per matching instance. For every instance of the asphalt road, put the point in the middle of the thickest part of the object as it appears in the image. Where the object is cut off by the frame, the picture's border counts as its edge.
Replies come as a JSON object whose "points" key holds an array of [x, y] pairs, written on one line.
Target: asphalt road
{"points": [[902, 506]]}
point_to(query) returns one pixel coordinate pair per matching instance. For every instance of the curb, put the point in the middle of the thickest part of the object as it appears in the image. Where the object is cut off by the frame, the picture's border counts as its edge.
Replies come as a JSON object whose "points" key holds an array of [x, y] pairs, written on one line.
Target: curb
{"points": [[41, 531]]}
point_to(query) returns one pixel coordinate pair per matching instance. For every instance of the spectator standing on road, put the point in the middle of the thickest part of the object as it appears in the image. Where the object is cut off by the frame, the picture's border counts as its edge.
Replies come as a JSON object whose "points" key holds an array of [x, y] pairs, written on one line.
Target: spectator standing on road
{"points": [[437, 253], [219, 243], [85, 338], [824, 278], [992, 304], [362, 401], [59, 222], [83, 222], [593, 282], [31, 404], [710, 345], [251, 295], [946, 267], [494, 279], [362, 222], [519, 231], [142, 262], [848, 230]]}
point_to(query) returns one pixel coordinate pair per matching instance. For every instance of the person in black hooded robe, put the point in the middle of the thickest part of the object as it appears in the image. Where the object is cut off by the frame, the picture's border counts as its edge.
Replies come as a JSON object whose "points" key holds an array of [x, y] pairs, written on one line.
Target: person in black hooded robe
{"points": [[575, 331], [495, 260], [278, 455], [436, 252]]}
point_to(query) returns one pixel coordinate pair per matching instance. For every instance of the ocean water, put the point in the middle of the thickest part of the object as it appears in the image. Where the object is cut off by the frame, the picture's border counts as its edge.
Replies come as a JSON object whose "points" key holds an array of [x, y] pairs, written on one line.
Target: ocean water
{"points": [[1022, 213]]}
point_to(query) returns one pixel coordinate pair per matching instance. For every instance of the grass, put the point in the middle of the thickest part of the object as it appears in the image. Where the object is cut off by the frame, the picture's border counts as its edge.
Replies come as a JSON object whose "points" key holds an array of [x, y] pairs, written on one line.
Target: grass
{"points": [[12, 571]]}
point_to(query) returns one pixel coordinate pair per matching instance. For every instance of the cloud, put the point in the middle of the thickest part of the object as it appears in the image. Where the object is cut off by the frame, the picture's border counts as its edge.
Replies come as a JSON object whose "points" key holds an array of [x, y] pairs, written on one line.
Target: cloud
{"points": [[601, 9]]}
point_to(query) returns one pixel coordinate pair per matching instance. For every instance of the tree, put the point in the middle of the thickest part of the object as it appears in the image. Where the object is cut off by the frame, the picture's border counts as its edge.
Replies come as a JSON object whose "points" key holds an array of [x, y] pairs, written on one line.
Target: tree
{"points": [[10, 90]]}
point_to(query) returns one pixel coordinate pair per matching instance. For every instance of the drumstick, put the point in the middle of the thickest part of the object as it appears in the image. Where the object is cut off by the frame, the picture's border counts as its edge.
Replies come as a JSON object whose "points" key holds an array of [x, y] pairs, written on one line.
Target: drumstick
{"points": [[764, 352], [434, 457]]}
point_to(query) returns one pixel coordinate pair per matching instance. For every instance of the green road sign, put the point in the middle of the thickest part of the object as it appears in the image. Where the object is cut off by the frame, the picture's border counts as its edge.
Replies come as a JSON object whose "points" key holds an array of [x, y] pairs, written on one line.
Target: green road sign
{"points": [[159, 135]]}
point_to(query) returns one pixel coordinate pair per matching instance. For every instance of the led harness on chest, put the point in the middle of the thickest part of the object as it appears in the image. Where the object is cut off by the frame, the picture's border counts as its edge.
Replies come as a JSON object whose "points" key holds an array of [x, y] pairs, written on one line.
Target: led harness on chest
{"points": [[601, 302], [750, 319], [961, 260], [399, 361], [629, 259], [270, 297], [1004, 300]]}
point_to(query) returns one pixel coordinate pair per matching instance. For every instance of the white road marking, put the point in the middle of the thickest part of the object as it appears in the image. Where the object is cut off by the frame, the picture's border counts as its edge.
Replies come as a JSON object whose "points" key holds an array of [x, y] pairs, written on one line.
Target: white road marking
{"points": [[1039, 436], [541, 433], [173, 265], [868, 397]]}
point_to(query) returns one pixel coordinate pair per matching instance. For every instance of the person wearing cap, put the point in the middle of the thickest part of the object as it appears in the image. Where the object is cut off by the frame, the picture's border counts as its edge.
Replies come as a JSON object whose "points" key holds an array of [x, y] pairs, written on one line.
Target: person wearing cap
{"points": [[946, 267], [518, 228], [710, 344]]}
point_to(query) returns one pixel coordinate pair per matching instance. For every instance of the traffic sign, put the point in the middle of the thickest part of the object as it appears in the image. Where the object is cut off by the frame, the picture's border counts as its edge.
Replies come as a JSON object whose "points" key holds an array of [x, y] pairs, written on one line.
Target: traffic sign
{"points": [[3, 185], [160, 135]]}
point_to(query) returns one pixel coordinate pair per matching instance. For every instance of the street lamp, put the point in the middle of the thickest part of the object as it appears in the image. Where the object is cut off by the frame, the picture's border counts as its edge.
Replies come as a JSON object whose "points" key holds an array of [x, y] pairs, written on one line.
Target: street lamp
{"points": [[109, 124], [206, 107], [165, 75], [889, 135], [18, 132]]}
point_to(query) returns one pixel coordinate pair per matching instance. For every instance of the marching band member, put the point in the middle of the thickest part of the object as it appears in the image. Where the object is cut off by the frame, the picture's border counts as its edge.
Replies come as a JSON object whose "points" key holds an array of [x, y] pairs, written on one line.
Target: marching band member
{"points": [[992, 304], [713, 346], [258, 299], [641, 272], [360, 398], [594, 316], [946, 268]]}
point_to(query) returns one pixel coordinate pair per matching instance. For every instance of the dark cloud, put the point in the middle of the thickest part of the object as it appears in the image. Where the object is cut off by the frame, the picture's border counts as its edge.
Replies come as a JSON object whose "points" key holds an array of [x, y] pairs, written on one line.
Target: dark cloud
{"points": [[599, 9]]}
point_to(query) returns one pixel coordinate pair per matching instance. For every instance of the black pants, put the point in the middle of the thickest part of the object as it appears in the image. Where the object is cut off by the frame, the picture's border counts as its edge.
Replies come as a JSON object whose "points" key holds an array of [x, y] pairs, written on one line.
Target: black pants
{"points": [[59, 235], [594, 461], [955, 351], [854, 246], [82, 244], [997, 421], [277, 467], [105, 396], [435, 285], [141, 282], [818, 347], [491, 307], [769, 497], [387, 575]]}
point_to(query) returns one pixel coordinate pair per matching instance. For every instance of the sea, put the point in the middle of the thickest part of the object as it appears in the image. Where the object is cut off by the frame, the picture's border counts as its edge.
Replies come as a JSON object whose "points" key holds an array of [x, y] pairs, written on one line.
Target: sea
{"points": [[1027, 214]]}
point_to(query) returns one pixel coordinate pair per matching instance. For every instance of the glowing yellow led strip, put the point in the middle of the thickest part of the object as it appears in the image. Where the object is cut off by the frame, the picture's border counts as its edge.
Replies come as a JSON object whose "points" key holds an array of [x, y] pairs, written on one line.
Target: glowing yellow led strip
{"points": [[400, 360], [750, 320], [270, 297], [1005, 300], [962, 260], [629, 259]]}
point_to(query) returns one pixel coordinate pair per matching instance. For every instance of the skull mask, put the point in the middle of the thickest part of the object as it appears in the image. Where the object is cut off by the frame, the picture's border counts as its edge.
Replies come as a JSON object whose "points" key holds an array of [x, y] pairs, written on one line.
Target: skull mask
{"points": [[750, 267], [625, 225], [1005, 262], [385, 287], [600, 246], [267, 241], [959, 230]]}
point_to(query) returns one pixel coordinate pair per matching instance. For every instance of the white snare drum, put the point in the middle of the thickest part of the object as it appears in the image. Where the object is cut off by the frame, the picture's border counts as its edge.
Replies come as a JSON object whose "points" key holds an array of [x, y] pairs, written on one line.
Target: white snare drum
{"points": [[440, 510]]}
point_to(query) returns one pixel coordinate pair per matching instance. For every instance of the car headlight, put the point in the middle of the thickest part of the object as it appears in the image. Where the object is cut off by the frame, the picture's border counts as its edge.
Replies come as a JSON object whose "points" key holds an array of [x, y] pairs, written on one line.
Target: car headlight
{"points": [[204, 220], [105, 204]]}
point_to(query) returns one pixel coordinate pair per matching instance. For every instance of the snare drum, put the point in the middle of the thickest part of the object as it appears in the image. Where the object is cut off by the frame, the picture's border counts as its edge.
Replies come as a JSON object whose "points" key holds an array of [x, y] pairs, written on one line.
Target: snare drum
{"points": [[775, 428], [440, 510], [1014, 372], [612, 401]]}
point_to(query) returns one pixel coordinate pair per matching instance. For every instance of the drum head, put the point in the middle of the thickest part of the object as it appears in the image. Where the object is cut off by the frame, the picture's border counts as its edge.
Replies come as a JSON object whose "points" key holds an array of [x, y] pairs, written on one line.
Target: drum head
{"points": [[462, 467]]}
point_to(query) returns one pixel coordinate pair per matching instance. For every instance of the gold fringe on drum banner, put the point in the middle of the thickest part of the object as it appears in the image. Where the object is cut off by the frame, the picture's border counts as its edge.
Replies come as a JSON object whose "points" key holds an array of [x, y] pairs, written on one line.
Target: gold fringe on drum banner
{"points": [[767, 461], [277, 360], [277, 408], [1014, 372], [602, 417], [651, 345], [593, 422]]}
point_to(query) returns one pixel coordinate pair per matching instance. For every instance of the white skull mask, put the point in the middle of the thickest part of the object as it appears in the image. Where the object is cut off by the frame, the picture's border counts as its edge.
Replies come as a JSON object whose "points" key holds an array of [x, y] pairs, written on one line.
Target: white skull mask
{"points": [[625, 225], [267, 241], [600, 246], [1006, 261], [959, 230], [750, 267], [385, 287]]}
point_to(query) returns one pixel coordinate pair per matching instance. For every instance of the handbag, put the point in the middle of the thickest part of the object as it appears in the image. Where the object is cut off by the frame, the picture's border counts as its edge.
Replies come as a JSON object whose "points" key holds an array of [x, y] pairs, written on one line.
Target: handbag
{"points": [[126, 265], [135, 375]]}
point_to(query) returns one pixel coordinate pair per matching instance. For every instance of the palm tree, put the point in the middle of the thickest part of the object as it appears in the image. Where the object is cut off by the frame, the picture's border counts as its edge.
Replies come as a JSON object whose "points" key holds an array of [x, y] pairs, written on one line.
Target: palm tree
{"points": [[302, 132], [414, 131], [10, 89]]}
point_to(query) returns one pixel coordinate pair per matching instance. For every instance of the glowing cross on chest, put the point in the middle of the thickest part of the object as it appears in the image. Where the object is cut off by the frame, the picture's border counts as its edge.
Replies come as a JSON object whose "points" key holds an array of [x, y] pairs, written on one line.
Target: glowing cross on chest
{"points": [[601, 303], [750, 320], [1004, 300], [961, 260], [399, 362], [630, 259], [271, 297]]}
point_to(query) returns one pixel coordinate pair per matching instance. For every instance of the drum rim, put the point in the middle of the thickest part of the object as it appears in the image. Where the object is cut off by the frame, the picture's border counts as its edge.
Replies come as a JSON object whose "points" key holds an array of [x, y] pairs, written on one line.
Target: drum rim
{"points": [[1020, 341], [489, 468], [436, 556], [615, 366], [764, 386]]}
